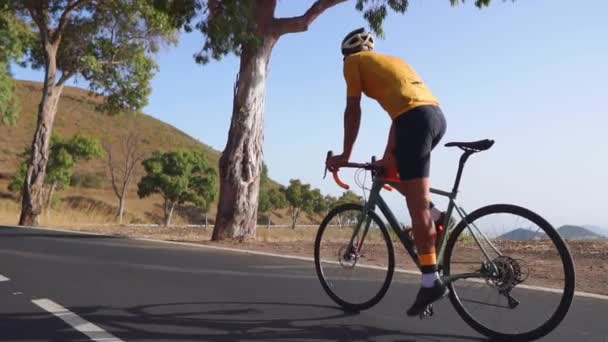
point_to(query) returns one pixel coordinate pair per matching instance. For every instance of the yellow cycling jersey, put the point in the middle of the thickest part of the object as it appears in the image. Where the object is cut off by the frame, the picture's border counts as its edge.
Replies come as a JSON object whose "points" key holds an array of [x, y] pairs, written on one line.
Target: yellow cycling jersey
{"points": [[386, 79]]}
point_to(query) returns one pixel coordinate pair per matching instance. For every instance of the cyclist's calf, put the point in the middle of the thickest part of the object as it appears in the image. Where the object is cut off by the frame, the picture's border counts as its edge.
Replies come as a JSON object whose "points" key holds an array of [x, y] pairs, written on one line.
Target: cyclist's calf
{"points": [[418, 198]]}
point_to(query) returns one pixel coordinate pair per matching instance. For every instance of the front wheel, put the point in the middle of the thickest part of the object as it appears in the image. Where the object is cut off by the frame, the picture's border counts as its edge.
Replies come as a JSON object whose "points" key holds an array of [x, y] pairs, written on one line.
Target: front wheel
{"points": [[519, 273], [356, 276]]}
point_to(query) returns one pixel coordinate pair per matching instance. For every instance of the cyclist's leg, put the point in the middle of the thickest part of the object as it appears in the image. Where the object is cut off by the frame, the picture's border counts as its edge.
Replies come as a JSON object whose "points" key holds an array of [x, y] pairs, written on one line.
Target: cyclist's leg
{"points": [[418, 132], [415, 186], [417, 197]]}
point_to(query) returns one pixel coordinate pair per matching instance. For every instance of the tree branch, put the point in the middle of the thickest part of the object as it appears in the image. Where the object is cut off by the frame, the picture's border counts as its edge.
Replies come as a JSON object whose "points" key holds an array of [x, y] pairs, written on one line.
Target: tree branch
{"points": [[111, 166], [300, 24], [64, 77], [63, 20], [38, 17], [133, 158]]}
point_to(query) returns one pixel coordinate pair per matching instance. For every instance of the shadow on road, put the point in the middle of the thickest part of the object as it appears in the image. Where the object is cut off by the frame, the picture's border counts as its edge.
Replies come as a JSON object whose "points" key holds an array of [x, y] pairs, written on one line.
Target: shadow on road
{"points": [[225, 321]]}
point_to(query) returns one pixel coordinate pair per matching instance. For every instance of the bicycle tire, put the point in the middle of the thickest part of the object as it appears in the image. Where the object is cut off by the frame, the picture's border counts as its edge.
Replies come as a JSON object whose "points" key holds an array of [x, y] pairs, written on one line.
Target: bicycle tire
{"points": [[349, 306], [569, 273]]}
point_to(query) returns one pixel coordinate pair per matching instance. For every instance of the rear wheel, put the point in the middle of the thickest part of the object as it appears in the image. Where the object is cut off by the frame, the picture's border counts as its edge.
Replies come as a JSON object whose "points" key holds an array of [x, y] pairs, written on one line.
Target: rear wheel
{"points": [[527, 274], [355, 276]]}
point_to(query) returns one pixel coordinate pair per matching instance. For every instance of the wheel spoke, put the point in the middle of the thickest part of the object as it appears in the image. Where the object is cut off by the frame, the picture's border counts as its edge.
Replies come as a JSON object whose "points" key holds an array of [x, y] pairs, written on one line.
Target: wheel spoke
{"points": [[518, 248], [355, 265]]}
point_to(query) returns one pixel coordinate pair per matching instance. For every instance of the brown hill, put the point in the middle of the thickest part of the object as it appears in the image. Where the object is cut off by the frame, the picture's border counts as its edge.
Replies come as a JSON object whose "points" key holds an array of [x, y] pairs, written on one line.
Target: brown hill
{"points": [[77, 114]]}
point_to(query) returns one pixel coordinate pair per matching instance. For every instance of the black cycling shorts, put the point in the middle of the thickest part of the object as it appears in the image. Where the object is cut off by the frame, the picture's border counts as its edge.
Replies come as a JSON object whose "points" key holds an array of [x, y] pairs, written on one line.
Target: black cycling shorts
{"points": [[417, 132]]}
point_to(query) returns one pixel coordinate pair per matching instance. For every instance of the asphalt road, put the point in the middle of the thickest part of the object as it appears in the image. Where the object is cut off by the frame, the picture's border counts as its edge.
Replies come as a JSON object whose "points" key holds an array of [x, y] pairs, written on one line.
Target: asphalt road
{"points": [[128, 290]]}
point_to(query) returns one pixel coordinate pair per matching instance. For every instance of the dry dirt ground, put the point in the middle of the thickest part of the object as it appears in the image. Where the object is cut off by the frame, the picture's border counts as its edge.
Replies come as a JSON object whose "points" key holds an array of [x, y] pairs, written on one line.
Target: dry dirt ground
{"points": [[590, 257]]}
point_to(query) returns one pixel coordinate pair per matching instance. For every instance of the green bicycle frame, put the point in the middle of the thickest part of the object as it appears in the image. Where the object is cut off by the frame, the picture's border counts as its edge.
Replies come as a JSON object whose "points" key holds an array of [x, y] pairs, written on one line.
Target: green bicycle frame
{"points": [[375, 200]]}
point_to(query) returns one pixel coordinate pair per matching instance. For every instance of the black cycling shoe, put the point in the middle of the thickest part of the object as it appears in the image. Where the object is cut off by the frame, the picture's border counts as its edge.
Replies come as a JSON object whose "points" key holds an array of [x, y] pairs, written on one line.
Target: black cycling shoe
{"points": [[426, 296]]}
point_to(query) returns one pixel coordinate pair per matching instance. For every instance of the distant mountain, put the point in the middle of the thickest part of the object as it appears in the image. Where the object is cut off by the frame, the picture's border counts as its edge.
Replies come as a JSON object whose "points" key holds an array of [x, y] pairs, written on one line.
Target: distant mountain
{"points": [[521, 234], [598, 230], [578, 233]]}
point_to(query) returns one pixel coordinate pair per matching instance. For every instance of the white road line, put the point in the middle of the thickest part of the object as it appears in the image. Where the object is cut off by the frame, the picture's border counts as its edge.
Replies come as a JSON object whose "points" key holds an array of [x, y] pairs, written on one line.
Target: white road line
{"points": [[94, 332], [3, 278], [295, 257]]}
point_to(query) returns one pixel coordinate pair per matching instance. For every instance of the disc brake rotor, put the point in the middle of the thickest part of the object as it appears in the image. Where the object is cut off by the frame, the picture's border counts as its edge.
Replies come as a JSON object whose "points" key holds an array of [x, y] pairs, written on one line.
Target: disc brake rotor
{"points": [[347, 256]]}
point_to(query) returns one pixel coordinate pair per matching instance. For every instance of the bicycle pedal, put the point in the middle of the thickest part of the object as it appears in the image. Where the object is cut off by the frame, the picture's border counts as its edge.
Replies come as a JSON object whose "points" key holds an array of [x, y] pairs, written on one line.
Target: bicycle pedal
{"points": [[428, 312]]}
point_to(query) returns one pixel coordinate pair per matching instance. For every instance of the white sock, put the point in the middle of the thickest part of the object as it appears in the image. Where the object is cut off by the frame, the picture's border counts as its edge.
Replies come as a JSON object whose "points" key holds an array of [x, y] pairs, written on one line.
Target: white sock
{"points": [[428, 279]]}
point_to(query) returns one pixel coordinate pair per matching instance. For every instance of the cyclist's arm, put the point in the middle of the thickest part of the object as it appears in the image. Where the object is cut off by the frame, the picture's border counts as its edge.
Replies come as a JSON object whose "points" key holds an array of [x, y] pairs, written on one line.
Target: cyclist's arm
{"points": [[352, 113], [352, 119]]}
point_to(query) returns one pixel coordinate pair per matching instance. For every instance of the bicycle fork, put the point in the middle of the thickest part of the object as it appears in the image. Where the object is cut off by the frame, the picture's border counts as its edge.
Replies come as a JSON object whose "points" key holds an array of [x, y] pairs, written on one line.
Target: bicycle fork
{"points": [[356, 244]]}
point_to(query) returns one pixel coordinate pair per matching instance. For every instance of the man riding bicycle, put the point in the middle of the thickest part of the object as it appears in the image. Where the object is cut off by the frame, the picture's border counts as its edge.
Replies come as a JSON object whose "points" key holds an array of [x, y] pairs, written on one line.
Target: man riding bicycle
{"points": [[417, 127]]}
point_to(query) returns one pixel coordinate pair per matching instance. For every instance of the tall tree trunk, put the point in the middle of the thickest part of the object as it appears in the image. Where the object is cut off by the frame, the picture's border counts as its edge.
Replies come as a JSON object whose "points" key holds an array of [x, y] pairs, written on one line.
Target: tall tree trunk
{"points": [[33, 185], [121, 207], [294, 217], [169, 206], [241, 160]]}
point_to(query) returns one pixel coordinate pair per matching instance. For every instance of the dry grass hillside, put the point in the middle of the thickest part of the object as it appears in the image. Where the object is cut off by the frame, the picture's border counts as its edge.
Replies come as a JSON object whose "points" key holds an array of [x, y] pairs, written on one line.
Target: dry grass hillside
{"points": [[94, 203]]}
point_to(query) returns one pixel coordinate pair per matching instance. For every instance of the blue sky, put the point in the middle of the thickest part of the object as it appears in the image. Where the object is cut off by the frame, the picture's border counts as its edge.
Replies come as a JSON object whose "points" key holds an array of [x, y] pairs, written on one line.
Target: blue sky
{"points": [[529, 74]]}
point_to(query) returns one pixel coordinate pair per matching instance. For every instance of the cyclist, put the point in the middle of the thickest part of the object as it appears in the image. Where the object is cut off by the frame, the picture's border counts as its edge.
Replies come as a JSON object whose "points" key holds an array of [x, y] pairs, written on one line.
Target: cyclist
{"points": [[417, 127]]}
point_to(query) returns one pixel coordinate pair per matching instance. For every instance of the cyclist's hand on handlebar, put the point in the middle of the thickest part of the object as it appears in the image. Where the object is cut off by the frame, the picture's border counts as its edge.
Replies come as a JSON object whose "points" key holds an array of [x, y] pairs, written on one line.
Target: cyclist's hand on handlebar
{"points": [[335, 162], [387, 162]]}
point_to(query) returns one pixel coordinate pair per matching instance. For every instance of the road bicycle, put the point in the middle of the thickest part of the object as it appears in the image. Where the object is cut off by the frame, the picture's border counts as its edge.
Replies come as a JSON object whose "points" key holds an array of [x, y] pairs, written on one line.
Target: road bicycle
{"points": [[509, 273]]}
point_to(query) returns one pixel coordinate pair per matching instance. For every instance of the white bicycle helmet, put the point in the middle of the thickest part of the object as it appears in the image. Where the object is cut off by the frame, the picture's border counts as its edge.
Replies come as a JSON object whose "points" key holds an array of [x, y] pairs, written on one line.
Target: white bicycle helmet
{"points": [[356, 41]]}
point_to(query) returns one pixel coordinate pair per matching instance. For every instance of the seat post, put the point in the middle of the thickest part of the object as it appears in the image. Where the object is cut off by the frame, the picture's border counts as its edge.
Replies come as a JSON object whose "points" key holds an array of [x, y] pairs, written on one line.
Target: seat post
{"points": [[463, 159]]}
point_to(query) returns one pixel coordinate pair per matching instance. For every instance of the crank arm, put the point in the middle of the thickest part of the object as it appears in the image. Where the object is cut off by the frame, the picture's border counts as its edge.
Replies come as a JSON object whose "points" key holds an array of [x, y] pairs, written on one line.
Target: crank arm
{"points": [[428, 312], [513, 303]]}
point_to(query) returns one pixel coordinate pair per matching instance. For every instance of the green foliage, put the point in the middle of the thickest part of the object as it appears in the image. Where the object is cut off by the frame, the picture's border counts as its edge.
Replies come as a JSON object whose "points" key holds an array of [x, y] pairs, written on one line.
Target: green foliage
{"points": [[330, 201], [8, 104], [348, 217], [478, 3], [295, 193], [15, 35], [315, 202], [228, 26], [63, 156], [55, 201], [16, 183], [349, 197], [278, 198], [179, 177], [264, 202], [375, 11], [264, 178], [269, 198], [300, 197], [304, 197], [108, 43]]}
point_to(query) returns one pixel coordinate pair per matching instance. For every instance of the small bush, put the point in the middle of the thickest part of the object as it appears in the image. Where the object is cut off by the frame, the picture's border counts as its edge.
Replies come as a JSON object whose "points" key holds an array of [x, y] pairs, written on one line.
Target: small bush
{"points": [[55, 201], [87, 180]]}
